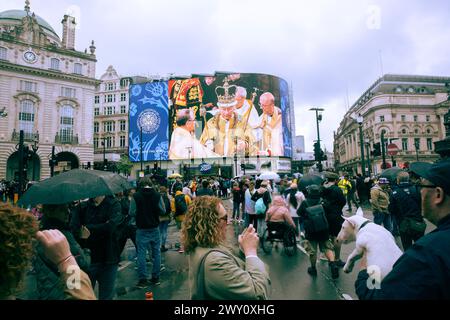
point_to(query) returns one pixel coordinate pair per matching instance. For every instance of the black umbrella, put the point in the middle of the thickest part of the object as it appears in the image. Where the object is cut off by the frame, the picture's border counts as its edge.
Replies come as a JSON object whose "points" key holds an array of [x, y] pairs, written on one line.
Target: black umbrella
{"points": [[391, 173], [310, 179], [74, 185]]}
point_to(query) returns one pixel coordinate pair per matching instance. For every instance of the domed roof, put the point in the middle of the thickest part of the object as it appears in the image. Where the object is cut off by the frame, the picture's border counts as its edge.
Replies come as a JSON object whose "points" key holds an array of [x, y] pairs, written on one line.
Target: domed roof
{"points": [[20, 14]]}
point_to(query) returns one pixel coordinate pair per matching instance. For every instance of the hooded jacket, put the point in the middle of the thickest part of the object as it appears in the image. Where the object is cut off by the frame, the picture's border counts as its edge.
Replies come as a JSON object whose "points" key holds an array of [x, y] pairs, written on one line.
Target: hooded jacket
{"points": [[147, 208]]}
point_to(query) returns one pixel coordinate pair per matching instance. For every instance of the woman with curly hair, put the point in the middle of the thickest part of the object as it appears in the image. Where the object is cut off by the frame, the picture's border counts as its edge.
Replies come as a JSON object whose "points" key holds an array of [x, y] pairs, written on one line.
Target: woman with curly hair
{"points": [[17, 233], [214, 271]]}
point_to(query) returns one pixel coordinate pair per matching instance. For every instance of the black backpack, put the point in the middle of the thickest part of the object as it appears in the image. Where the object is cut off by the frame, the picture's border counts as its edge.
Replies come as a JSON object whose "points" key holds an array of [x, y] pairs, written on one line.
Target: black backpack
{"points": [[317, 220], [180, 205]]}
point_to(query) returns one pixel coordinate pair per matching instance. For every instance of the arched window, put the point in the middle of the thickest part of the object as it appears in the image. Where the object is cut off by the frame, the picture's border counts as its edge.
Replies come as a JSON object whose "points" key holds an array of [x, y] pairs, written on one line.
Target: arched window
{"points": [[54, 64], [3, 53], [26, 117], [403, 131], [66, 124]]}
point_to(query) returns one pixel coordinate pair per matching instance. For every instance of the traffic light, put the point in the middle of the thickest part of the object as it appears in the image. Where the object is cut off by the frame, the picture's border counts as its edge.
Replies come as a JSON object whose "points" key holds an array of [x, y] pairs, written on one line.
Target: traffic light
{"points": [[242, 166], [376, 149], [317, 151]]}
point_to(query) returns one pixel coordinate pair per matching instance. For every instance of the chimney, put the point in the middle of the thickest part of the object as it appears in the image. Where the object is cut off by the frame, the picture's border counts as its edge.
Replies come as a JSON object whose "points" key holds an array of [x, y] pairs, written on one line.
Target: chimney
{"points": [[68, 38]]}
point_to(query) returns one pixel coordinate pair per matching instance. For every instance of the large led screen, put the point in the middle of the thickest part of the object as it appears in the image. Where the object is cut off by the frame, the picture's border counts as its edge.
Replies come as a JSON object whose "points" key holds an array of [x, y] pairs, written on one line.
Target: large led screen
{"points": [[213, 117], [148, 117]]}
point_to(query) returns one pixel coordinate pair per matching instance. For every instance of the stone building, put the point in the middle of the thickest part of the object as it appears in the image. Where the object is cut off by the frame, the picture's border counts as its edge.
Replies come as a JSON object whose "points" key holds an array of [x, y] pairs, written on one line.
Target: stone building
{"points": [[111, 103], [408, 109], [46, 90]]}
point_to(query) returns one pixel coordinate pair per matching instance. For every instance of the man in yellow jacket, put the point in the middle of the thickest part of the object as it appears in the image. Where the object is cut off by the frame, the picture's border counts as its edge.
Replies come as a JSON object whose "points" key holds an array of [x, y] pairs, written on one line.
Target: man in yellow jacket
{"points": [[179, 205], [346, 187]]}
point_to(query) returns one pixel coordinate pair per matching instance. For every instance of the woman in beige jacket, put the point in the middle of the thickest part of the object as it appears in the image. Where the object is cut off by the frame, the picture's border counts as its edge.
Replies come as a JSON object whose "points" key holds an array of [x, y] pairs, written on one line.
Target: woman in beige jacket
{"points": [[215, 272]]}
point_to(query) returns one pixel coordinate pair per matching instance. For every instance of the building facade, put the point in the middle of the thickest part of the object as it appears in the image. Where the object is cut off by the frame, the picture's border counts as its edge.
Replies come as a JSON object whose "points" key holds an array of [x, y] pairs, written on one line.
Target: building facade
{"points": [[46, 91], [111, 118], [408, 109]]}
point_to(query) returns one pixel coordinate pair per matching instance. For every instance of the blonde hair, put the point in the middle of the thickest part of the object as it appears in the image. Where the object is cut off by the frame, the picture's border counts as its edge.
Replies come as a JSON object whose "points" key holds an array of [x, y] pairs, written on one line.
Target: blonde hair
{"points": [[17, 231], [201, 224]]}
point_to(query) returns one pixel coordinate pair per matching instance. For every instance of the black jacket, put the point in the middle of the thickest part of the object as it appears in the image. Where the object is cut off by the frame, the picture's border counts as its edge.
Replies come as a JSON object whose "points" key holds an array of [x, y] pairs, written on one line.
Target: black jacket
{"points": [[147, 208], [405, 202], [333, 203], [103, 222], [266, 198], [303, 214], [422, 272]]}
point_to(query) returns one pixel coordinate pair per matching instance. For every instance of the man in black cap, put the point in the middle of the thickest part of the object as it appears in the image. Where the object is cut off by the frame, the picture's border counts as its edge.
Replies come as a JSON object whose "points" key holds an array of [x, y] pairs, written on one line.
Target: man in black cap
{"points": [[423, 271]]}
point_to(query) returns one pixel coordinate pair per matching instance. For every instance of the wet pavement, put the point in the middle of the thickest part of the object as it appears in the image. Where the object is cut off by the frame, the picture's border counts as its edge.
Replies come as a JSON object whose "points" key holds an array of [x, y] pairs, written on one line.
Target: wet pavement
{"points": [[289, 278]]}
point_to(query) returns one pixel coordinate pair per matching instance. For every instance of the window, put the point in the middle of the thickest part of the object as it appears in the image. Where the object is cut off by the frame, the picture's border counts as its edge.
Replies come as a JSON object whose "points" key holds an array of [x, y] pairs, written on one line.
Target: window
{"points": [[111, 98], [429, 144], [3, 53], [96, 127], [403, 118], [427, 118], [381, 118], [417, 143], [78, 68], [109, 142], [411, 90], [110, 86], [123, 125], [124, 82], [415, 118], [403, 131], [122, 141], [26, 116], [97, 99], [95, 143], [428, 131], [28, 86], [68, 92], [398, 90], [416, 131], [405, 144], [123, 97], [108, 126], [110, 111], [96, 111], [66, 124], [54, 64], [104, 111], [123, 109]]}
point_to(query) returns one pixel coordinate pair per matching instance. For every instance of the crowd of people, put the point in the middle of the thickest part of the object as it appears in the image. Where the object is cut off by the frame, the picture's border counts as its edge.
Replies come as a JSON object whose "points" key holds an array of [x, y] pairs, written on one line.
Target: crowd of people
{"points": [[91, 235]]}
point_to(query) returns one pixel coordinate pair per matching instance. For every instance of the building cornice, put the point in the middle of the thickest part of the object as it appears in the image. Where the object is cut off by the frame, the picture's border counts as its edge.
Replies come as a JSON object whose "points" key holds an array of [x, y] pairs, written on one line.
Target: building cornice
{"points": [[47, 73], [50, 48]]}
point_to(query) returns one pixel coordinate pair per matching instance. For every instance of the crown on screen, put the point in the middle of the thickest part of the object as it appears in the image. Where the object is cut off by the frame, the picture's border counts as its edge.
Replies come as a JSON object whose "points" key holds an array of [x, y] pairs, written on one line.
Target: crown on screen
{"points": [[226, 95]]}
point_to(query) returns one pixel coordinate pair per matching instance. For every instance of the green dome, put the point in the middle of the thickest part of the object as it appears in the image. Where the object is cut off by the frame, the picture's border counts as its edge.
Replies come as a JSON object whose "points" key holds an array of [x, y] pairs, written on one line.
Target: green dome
{"points": [[20, 14]]}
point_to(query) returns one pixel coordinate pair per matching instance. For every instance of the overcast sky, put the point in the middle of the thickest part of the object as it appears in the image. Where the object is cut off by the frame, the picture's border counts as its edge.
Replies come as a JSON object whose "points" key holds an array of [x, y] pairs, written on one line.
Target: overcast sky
{"points": [[330, 51]]}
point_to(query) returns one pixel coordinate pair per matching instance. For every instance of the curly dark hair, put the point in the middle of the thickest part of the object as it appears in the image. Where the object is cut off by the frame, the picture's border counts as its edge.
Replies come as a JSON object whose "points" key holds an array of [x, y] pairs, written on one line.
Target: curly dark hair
{"points": [[17, 231], [201, 224]]}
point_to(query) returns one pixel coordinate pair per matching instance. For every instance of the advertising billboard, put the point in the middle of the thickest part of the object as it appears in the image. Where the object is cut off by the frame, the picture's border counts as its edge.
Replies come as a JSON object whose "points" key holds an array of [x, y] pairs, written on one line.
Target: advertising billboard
{"points": [[212, 117], [148, 117]]}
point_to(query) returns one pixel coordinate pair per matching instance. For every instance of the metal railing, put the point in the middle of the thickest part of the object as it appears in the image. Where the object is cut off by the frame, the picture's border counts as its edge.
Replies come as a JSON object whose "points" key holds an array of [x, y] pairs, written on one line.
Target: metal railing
{"points": [[66, 139], [27, 136]]}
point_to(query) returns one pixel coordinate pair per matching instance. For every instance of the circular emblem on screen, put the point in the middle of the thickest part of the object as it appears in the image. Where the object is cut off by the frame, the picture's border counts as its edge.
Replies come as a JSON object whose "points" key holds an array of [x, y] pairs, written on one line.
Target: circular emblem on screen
{"points": [[149, 121]]}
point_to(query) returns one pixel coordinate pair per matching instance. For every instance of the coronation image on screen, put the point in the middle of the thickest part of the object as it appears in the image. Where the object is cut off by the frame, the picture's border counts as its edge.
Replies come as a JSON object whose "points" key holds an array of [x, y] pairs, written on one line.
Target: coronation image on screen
{"points": [[227, 114]]}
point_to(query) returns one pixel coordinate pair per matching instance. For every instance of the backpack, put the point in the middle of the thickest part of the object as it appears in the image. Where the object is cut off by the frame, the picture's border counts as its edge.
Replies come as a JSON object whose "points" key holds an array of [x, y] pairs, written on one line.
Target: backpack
{"points": [[180, 205], [317, 220], [260, 207]]}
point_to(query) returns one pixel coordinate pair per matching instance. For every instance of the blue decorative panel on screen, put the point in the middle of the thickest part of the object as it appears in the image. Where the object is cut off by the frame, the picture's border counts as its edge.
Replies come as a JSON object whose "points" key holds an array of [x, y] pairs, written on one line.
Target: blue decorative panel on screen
{"points": [[149, 112]]}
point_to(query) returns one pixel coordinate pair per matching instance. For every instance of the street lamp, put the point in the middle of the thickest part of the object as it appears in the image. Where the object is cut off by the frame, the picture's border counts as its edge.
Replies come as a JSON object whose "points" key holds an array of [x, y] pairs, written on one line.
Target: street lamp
{"points": [[318, 119], [360, 120], [35, 148], [3, 113], [104, 152], [417, 146], [367, 142]]}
